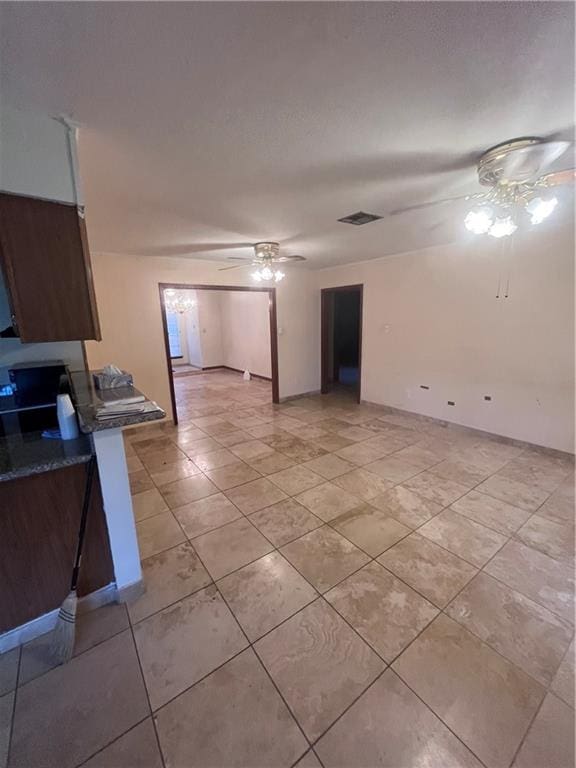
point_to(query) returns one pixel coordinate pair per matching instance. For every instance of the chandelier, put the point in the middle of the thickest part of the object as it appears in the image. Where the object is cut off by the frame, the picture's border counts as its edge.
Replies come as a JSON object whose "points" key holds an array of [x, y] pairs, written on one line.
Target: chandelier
{"points": [[176, 301]]}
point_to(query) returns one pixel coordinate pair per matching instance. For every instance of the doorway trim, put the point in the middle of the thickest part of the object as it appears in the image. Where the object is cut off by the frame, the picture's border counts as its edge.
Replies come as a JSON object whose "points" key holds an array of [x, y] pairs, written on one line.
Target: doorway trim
{"points": [[326, 330], [273, 331]]}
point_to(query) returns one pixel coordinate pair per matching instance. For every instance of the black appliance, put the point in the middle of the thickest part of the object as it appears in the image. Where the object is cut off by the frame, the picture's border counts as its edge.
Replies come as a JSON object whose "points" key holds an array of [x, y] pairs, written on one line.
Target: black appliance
{"points": [[32, 405]]}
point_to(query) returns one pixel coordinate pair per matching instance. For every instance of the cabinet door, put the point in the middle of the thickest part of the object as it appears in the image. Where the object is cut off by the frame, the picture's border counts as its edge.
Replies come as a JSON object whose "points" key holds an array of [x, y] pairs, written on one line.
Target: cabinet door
{"points": [[44, 255]]}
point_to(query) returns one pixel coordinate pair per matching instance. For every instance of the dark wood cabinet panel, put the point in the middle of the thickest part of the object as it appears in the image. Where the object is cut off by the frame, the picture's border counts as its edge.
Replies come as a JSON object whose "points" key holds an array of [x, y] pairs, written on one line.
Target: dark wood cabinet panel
{"points": [[39, 520], [46, 263]]}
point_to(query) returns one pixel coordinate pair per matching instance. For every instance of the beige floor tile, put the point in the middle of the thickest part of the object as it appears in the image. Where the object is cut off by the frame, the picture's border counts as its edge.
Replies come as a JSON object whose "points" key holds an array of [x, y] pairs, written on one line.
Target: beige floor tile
{"points": [[271, 463], [169, 576], [362, 483], [136, 749], [255, 495], [133, 463], [199, 447], [228, 439], [383, 610], [148, 503], [355, 434], [206, 514], [517, 627], [92, 628], [361, 453], [184, 642], [324, 557], [215, 459], [9, 670], [102, 687], [418, 456], [483, 698], [390, 727], [149, 443], [560, 507], [173, 472], [393, 469], [368, 528], [563, 683], [296, 479], [140, 481], [491, 512], [331, 442], [188, 489], [553, 539], [230, 547], [327, 501], [234, 717], [547, 581], [285, 521], [435, 488], [518, 494], [251, 449], [232, 475], [156, 461], [463, 537], [460, 472], [329, 466], [540, 472], [264, 593], [309, 761], [406, 506], [319, 664], [550, 741], [155, 534], [431, 570]]}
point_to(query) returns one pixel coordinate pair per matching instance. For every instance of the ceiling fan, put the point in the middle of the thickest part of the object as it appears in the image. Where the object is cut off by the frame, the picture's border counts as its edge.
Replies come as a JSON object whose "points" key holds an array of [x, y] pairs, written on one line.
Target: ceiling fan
{"points": [[266, 254], [514, 173]]}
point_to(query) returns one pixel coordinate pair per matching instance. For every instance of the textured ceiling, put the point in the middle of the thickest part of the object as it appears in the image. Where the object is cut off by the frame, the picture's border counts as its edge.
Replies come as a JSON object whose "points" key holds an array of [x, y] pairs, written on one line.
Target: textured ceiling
{"points": [[212, 124]]}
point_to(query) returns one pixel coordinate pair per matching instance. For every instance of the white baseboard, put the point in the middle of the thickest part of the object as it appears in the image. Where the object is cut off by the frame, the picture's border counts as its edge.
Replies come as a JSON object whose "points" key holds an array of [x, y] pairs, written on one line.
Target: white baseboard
{"points": [[42, 624]]}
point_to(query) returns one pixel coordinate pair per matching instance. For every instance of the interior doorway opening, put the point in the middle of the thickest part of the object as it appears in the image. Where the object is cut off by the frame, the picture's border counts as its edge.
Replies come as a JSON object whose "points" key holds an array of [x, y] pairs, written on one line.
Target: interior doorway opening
{"points": [[191, 336], [342, 339]]}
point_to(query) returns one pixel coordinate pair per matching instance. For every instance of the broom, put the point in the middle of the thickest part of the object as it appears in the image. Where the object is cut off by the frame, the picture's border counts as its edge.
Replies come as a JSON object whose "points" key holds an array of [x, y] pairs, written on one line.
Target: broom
{"points": [[62, 643]]}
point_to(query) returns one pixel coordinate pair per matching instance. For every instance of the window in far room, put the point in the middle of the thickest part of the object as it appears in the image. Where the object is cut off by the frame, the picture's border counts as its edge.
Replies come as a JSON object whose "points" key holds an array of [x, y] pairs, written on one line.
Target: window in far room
{"points": [[174, 335]]}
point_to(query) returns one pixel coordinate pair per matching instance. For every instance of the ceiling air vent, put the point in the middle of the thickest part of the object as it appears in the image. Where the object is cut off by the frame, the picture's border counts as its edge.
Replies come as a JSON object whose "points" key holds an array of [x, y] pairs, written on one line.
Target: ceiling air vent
{"points": [[359, 218]]}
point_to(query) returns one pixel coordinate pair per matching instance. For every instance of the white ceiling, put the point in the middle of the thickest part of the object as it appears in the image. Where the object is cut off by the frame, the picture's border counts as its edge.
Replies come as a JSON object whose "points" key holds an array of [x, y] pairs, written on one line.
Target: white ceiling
{"points": [[207, 124]]}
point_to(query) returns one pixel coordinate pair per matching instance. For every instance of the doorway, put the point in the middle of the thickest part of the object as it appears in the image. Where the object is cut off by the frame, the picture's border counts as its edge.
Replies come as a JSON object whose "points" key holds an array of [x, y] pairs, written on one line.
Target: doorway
{"points": [[169, 343], [341, 332]]}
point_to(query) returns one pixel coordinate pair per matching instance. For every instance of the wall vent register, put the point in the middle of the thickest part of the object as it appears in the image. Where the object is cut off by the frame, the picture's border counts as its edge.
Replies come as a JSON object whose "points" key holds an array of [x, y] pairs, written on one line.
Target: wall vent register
{"points": [[359, 218]]}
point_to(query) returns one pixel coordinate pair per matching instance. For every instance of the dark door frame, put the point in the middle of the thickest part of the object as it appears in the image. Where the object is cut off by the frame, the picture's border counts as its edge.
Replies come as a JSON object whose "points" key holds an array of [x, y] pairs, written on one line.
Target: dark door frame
{"points": [[273, 331], [326, 328]]}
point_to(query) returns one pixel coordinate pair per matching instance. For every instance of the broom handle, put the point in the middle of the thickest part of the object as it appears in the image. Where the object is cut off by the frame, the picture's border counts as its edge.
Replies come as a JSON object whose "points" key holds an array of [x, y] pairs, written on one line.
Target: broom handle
{"points": [[85, 506]]}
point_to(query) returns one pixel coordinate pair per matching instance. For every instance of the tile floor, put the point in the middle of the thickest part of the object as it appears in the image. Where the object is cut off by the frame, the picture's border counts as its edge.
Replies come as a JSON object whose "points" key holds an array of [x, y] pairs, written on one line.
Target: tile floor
{"points": [[327, 584]]}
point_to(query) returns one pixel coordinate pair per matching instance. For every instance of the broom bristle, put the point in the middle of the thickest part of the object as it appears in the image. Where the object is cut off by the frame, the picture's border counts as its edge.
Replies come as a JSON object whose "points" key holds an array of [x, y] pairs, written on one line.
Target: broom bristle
{"points": [[62, 645]]}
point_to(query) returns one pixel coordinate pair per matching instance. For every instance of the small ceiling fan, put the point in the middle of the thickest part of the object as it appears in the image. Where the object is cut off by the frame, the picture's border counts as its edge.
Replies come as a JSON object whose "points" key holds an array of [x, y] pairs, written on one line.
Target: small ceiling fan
{"points": [[266, 254], [514, 172]]}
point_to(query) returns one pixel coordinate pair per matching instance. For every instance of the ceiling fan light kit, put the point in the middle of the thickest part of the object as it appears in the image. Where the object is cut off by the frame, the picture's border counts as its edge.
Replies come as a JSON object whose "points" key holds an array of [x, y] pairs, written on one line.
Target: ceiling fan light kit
{"points": [[511, 171]]}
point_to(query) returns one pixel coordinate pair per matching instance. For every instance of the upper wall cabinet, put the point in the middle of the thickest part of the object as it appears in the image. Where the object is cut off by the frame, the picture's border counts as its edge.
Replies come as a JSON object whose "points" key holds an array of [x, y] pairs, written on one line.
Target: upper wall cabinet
{"points": [[46, 264]]}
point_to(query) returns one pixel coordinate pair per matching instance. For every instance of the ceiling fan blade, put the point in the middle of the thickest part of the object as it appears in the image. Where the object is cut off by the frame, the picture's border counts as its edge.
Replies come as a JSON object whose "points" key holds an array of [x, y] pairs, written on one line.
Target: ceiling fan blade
{"points": [[186, 249], [558, 178], [432, 203], [234, 266], [284, 259]]}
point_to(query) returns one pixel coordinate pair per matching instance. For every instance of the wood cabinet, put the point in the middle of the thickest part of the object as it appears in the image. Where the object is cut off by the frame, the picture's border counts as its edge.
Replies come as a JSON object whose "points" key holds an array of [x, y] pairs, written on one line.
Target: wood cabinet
{"points": [[39, 520], [46, 264]]}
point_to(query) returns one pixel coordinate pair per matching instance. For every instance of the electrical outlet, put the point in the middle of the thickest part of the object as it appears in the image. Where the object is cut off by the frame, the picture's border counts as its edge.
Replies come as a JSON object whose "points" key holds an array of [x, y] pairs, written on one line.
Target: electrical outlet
{"points": [[424, 386], [451, 402], [488, 397]]}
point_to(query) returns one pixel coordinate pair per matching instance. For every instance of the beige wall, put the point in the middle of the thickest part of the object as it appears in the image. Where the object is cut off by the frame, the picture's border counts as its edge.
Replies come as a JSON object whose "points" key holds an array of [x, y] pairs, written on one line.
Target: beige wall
{"points": [[129, 308], [431, 318], [246, 331]]}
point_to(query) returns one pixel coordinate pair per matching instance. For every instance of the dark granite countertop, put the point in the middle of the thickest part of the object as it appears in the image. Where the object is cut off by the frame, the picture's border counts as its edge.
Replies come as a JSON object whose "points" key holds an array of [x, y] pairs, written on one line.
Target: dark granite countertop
{"points": [[31, 454], [87, 398]]}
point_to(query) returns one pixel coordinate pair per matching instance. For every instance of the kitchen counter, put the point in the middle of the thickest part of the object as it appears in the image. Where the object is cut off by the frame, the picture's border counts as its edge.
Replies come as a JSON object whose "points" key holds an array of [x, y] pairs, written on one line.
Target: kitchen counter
{"points": [[87, 398], [30, 454]]}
